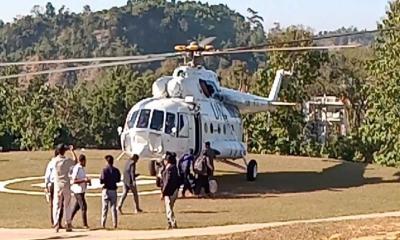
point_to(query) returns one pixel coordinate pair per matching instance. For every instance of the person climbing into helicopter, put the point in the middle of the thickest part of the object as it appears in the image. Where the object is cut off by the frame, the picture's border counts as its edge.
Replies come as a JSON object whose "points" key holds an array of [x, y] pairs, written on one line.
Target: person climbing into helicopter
{"points": [[203, 168], [211, 153], [184, 167]]}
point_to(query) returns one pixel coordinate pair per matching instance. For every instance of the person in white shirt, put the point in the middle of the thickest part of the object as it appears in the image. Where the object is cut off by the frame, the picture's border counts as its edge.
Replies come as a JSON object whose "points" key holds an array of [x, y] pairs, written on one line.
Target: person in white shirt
{"points": [[62, 186], [49, 187], [79, 182]]}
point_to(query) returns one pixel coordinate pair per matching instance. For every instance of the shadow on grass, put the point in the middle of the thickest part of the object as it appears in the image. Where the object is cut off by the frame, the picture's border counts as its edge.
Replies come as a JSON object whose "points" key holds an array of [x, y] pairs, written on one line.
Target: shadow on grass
{"points": [[62, 237], [340, 176]]}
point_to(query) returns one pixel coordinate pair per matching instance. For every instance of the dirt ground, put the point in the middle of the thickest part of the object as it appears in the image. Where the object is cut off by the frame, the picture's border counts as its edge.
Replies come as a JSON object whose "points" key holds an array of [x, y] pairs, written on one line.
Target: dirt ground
{"points": [[287, 188], [371, 229]]}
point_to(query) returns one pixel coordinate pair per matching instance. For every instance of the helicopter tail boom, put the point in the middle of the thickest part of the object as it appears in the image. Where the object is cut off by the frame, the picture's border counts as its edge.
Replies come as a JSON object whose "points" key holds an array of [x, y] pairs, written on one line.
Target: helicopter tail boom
{"points": [[249, 103]]}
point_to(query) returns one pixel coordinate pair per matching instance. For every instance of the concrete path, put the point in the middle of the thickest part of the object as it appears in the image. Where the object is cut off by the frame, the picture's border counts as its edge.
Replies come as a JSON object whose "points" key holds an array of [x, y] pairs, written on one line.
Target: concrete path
{"points": [[42, 234]]}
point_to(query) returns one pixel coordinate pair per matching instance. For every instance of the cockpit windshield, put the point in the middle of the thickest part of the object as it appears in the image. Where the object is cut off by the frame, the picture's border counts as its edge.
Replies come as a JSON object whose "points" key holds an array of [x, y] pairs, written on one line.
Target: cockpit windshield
{"points": [[132, 121], [157, 120], [144, 117]]}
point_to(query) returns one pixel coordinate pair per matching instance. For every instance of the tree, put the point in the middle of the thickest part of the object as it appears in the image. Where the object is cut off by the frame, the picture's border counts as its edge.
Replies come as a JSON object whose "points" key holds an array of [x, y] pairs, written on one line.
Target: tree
{"points": [[282, 131], [50, 10], [380, 131]]}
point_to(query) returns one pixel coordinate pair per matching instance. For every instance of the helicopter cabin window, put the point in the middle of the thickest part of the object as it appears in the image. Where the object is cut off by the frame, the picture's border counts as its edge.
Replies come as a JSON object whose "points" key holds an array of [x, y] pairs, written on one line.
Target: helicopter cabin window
{"points": [[131, 122], [224, 128], [183, 125], [157, 120], [211, 128], [144, 117], [205, 128], [219, 129], [170, 123], [207, 88]]}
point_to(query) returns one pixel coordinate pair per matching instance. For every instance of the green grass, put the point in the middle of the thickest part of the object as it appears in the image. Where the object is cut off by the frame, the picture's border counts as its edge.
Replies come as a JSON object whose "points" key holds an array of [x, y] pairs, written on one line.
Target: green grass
{"points": [[287, 188]]}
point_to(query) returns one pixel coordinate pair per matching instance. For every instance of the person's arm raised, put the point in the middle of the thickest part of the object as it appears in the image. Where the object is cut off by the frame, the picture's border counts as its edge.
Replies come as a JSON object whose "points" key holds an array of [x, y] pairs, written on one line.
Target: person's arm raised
{"points": [[74, 157]]}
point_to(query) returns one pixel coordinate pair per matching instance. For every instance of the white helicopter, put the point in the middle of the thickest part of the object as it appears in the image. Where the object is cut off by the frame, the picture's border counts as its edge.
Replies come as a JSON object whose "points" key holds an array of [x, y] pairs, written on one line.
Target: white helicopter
{"points": [[188, 108]]}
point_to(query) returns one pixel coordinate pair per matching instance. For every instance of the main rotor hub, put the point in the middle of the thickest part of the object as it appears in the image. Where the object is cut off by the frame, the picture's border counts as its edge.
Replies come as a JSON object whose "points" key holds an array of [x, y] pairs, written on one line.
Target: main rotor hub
{"points": [[192, 51]]}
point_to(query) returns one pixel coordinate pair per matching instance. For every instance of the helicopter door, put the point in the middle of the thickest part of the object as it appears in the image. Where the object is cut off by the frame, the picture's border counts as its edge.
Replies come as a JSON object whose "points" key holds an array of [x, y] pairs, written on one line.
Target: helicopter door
{"points": [[185, 132]]}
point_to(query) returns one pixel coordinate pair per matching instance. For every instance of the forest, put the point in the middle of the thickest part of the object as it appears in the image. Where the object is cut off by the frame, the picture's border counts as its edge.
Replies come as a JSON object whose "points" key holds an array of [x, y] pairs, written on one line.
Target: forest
{"points": [[85, 108]]}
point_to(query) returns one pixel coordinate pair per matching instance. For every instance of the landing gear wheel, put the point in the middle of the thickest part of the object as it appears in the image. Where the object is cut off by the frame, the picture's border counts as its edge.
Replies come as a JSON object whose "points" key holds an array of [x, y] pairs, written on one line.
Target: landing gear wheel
{"points": [[152, 168], [251, 171]]}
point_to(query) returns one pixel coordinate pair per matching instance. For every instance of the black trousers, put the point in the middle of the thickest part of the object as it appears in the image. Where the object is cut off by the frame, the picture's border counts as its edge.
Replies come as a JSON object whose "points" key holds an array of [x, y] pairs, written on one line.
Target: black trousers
{"points": [[51, 206], [202, 182], [81, 204], [187, 186]]}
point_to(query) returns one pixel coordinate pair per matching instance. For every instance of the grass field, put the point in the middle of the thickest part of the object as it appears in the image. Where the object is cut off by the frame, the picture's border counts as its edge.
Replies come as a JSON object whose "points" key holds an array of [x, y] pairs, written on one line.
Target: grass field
{"points": [[287, 188]]}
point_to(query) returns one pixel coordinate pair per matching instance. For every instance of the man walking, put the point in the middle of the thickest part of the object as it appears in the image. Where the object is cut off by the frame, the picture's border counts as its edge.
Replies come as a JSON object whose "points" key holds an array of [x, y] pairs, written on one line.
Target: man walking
{"points": [[169, 190], [129, 179], [184, 166], [79, 182], [49, 187], [62, 191], [110, 176]]}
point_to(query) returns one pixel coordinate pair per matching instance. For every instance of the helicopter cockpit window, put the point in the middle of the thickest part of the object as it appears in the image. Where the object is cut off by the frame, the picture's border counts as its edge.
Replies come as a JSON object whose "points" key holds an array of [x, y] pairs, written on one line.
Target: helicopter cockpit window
{"points": [[144, 117], [132, 121], [183, 126], [170, 123], [208, 88], [157, 120]]}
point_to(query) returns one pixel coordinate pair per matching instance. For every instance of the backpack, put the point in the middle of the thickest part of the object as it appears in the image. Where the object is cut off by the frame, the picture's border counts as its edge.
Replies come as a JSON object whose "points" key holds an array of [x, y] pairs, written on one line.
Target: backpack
{"points": [[200, 165]]}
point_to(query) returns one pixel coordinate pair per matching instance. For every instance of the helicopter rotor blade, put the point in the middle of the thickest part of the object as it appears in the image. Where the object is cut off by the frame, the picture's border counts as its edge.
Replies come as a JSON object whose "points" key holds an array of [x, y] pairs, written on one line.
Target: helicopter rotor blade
{"points": [[101, 65], [81, 60], [206, 41], [282, 49]]}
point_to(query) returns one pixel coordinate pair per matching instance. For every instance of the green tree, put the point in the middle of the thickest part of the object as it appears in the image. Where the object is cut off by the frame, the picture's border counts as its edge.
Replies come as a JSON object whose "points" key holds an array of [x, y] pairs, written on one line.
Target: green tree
{"points": [[379, 139]]}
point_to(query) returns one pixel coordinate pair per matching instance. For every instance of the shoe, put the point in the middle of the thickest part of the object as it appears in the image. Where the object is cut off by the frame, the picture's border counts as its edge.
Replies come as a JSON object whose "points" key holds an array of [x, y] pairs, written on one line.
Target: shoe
{"points": [[86, 227], [57, 228], [120, 210], [169, 227], [138, 211], [69, 228]]}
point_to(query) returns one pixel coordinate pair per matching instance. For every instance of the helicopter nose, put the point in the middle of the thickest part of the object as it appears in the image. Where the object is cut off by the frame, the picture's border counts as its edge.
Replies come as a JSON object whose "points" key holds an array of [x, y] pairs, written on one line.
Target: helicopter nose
{"points": [[143, 143]]}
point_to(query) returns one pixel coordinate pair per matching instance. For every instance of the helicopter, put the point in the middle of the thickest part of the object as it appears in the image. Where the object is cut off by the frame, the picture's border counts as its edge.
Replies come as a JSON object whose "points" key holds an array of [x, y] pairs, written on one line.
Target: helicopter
{"points": [[188, 108]]}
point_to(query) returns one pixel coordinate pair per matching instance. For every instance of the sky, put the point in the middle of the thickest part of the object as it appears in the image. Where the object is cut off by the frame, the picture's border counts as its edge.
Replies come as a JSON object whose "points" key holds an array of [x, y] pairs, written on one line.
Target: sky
{"points": [[317, 14]]}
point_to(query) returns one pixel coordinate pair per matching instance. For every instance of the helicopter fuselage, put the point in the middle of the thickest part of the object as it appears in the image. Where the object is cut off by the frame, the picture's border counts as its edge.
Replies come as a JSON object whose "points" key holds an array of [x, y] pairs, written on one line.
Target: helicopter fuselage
{"points": [[157, 125], [188, 109]]}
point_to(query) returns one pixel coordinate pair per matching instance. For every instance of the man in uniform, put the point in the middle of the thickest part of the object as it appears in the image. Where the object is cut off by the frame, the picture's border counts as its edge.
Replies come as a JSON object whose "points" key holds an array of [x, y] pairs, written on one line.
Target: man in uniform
{"points": [[62, 186], [49, 187], [129, 179]]}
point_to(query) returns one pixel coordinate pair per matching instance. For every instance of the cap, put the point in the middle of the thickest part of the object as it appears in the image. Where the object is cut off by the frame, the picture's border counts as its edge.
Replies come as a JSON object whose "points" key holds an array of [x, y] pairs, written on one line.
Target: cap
{"points": [[62, 146]]}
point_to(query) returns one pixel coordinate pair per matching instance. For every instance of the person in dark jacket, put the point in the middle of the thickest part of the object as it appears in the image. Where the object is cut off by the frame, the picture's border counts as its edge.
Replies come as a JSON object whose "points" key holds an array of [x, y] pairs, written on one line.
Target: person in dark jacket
{"points": [[184, 166], [169, 189], [109, 177], [129, 179]]}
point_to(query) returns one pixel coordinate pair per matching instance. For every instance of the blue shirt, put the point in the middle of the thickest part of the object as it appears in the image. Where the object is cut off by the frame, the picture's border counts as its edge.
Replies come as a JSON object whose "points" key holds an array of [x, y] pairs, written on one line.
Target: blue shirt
{"points": [[184, 163], [110, 176]]}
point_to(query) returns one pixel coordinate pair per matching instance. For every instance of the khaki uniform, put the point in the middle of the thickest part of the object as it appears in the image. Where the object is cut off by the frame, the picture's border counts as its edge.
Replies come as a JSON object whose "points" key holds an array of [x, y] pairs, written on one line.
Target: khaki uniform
{"points": [[62, 188]]}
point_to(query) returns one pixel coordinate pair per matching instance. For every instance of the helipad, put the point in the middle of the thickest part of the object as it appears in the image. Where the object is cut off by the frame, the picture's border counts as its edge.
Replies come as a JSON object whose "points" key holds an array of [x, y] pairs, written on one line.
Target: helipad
{"points": [[4, 185]]}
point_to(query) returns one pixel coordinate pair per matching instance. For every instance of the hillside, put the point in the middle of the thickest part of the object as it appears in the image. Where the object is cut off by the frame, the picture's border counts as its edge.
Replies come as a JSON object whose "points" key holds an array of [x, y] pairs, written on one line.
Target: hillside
{"points": [[151, 26]]}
